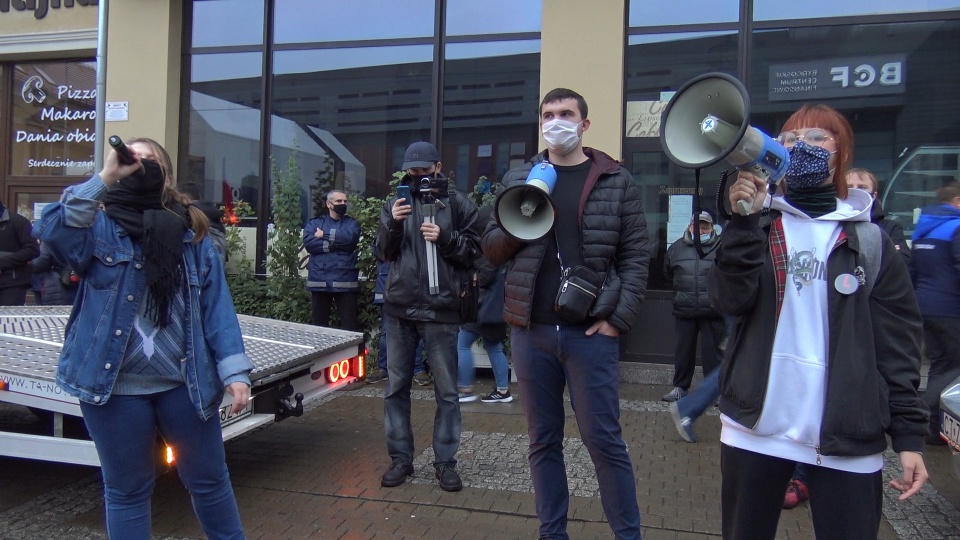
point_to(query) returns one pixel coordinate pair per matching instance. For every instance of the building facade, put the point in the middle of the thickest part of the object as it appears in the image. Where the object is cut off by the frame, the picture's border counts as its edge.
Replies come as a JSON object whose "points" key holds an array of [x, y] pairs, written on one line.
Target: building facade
{"points": [[226, 85]]}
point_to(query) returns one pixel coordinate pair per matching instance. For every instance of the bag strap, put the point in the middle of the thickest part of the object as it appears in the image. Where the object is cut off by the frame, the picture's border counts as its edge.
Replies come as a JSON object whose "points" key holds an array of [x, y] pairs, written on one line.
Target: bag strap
{"points": [[871, 248]]}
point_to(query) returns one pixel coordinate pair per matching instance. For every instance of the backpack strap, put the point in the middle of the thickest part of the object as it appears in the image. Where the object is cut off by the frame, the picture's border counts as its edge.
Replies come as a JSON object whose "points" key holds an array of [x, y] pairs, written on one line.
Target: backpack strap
{"points": [[871, 248]]}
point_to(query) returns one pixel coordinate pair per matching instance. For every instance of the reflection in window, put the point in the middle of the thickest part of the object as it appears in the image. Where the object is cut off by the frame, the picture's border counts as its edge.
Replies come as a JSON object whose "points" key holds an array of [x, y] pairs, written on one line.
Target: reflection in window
{"points": [[491, 93], [777, 10], [469, 17], [656, 66], [54, 119], [223, 146], [224, 23], [898, 84], [322, 21], [359, 106], [652, 13]]}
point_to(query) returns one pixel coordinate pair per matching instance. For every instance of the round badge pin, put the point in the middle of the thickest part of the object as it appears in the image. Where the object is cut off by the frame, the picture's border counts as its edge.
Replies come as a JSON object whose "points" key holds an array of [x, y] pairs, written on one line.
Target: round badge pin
{"points": [[846, 284]]}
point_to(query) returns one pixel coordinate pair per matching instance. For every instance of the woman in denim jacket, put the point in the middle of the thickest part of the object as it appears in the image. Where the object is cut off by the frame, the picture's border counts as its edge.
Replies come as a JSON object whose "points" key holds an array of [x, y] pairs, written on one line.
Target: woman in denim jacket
{"points": [[153, 340]]}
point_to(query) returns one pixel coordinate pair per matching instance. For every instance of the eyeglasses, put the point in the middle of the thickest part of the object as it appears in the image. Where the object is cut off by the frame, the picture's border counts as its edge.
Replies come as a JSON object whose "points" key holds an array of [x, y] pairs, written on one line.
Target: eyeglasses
{"points": [[813, 137]]}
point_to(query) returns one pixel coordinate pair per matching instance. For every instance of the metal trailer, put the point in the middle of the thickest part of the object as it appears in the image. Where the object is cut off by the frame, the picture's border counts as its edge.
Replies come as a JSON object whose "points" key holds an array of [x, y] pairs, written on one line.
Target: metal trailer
{"points": [[294, 364]]}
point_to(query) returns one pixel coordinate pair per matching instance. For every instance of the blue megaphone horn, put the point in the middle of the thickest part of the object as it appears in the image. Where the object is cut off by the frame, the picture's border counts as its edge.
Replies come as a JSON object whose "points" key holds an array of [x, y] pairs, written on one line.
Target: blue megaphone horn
{"points": [[526, 212]]}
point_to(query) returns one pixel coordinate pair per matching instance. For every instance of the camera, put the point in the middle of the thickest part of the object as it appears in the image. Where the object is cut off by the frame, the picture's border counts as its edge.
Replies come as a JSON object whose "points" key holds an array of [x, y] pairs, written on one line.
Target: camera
{"points": [[436, 185]]}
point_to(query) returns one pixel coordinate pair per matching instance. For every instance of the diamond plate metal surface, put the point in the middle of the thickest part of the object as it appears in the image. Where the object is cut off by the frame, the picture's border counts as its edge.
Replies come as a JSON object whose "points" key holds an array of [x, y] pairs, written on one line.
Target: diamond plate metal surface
{"points": [[31, 338]]}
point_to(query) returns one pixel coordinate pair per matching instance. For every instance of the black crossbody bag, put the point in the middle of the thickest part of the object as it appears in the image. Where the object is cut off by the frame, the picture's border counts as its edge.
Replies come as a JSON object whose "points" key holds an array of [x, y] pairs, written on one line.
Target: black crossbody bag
{"points": [[579, 288]]}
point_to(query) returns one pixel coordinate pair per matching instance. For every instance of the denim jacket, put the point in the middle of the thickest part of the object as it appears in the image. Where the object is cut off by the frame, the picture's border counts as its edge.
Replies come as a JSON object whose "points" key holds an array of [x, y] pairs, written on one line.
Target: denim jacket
{"points": [[112, 285]]}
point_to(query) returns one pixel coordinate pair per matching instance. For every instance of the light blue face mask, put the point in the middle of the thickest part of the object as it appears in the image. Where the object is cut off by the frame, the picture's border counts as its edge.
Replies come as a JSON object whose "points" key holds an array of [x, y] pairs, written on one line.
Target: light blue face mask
{"points": [[704, 238]]}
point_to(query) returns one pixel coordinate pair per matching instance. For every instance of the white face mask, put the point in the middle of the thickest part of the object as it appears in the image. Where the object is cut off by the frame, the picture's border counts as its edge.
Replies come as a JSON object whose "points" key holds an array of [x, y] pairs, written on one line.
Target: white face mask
{"points": [[561, 136]]}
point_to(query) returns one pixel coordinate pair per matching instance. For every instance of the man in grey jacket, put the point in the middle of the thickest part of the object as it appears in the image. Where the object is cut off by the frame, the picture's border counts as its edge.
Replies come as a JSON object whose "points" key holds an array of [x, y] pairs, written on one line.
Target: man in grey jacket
{"points": [[600, 225]]}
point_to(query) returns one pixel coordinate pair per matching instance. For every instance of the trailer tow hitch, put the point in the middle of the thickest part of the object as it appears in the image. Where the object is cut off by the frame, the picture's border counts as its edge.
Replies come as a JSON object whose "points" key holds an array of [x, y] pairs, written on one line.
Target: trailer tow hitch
{"points": [[286, 409]]}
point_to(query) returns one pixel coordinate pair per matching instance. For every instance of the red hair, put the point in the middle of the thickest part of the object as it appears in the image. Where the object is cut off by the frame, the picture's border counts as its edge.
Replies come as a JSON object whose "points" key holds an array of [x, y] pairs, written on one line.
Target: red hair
{"points": [[826, 117]]}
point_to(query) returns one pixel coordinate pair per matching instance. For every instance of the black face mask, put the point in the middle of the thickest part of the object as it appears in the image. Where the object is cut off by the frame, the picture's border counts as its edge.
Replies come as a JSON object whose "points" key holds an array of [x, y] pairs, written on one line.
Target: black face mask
{"points": [[340, 209]]}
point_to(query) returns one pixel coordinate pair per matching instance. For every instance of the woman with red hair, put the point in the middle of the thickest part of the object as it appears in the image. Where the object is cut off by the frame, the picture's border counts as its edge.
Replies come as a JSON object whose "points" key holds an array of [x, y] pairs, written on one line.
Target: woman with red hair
{"points": [[825, 360]]}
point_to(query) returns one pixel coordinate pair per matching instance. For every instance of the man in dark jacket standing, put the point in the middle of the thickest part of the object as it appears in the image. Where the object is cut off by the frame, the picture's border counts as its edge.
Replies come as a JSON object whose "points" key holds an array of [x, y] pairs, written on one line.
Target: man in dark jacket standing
{"points": [[600, 225], [935, 271], [331, 240], [430, 241], [17, 249], [691, 306]]}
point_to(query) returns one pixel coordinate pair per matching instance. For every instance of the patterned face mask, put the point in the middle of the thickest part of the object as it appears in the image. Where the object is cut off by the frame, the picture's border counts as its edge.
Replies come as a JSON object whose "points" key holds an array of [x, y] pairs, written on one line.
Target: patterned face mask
{"points": [[809, 166]]}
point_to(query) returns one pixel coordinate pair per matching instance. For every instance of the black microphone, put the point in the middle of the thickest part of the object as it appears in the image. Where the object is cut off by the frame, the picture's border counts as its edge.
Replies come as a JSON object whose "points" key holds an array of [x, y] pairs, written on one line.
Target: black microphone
{"points": [[123, 153]]}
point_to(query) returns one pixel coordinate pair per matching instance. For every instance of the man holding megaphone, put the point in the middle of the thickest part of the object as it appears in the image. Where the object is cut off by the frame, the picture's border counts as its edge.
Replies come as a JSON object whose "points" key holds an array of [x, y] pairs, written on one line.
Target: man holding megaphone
{"points": [[577, 239]]}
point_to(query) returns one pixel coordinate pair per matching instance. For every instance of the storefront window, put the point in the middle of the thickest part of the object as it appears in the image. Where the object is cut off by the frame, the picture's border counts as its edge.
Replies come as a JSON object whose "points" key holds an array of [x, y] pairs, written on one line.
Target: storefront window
{"points": [[227, 23], [898, 84], [54, 118], [353, 107], [777, 10], [653, 13], [469, 17], [491, 93], [657, 65], [322, 21], [223, 145]]}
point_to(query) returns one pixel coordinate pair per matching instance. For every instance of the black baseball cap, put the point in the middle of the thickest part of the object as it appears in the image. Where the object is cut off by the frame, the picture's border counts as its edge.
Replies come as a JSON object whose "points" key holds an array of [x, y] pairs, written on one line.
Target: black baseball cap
{"points": [[420, 155]]}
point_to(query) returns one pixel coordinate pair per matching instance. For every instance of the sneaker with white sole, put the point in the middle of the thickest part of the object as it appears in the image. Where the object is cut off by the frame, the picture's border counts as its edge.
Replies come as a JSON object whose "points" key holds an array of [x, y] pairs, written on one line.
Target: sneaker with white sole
{"points": [[422, 378], [497, 397], [467, 397], [684, 424], [674, 394]]}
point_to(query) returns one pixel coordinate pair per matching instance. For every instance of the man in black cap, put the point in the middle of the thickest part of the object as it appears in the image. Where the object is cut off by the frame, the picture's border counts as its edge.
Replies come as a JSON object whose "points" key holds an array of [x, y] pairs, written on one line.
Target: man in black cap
{"points": [[431, 241], [691, 307]]}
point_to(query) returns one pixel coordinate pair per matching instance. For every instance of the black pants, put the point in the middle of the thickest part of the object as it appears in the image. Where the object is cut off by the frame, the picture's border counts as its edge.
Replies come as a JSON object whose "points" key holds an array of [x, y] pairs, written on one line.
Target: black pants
{"points": [[941, 343], [346, 309], [845, 506], [711, 333], [13, 296]]}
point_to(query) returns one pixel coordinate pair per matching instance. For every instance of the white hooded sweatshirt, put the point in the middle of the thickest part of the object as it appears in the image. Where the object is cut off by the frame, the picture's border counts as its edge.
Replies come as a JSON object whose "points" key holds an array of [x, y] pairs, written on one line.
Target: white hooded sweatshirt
{"points": [[789, 425]]}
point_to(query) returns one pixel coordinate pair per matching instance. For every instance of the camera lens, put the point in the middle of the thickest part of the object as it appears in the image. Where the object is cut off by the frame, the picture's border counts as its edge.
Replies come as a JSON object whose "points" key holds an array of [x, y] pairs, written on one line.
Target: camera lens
{"points": [[425, 183]]}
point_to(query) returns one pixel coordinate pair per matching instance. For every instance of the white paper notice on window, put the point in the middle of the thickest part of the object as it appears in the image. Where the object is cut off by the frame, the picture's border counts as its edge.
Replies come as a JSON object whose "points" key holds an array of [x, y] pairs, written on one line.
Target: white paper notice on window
{"points": [[678, 218], [116, 111]]}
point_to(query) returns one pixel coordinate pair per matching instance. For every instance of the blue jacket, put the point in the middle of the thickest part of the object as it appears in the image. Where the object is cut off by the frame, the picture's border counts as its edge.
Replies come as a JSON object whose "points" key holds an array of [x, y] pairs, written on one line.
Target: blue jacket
{"points": [[935, 264], [113, 284], [333, 258]]}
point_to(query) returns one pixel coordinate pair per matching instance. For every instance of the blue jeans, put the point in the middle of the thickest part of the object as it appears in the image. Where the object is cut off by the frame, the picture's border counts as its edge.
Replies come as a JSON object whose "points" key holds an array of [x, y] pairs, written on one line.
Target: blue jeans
{"points": [[546, 358], [124, 430], [418, 366], [702, 396], [441, 345], [466, 375]]}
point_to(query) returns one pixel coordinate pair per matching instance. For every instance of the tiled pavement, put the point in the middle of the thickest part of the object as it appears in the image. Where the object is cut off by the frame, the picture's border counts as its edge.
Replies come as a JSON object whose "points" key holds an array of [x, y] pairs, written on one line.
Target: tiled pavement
{"points": [[318, 477]]}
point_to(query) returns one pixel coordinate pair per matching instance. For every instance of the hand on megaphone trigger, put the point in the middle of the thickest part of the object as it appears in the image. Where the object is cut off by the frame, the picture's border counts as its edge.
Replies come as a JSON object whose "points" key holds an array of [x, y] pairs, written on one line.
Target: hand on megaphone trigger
{"points": [[749, 188], [114, 170], [401, 209]]}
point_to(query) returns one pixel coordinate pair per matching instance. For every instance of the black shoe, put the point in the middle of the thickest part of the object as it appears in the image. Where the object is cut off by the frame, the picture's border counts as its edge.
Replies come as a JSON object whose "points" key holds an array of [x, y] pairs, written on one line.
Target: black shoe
{"points": [[396, 474], [448, 478]]}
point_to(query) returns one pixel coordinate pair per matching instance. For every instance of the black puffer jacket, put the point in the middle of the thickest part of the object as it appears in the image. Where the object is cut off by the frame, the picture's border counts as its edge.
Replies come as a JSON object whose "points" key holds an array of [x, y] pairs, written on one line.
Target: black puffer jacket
{"points": [[406, 294], [613, 240], [690, 275], [17, 249]]}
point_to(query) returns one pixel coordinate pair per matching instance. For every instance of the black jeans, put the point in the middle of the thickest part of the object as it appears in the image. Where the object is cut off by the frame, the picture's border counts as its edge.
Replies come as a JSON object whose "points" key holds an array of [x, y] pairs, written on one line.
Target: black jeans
{"points": [[941, 343], [346, 309], [845, 505], [13, 296], [711, 333]]}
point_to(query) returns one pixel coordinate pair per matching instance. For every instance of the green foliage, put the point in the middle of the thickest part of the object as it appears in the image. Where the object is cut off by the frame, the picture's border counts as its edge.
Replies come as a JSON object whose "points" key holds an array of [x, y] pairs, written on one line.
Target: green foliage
{"points": [[326, 181], [236, 248], [287, 297], [249, 293]]}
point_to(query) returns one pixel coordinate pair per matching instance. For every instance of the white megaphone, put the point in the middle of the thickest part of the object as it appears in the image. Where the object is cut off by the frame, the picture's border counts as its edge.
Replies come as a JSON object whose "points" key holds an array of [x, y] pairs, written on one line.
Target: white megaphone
{"points": [[708, 120], [526, 212]]}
